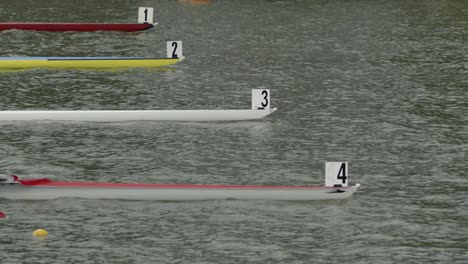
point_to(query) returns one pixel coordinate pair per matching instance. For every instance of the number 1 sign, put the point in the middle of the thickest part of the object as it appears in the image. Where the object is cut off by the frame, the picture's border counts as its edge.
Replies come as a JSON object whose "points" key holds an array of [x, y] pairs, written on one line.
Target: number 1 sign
{"points": [[145, 15]]}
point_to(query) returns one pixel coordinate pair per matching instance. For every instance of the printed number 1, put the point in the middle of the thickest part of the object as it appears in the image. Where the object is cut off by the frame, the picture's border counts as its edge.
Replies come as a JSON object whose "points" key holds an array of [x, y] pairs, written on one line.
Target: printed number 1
{"points": [[174, 55], [342, 173], [146, 14], [265, 93]]}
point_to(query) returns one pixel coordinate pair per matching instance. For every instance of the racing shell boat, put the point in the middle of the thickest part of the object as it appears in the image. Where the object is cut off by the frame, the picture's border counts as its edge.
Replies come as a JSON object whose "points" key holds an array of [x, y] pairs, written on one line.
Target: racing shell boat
{"points": [[12, 187], [43, 26], [174, 52], [145, 21], [136, 115], [260, 109], [83, 62]]}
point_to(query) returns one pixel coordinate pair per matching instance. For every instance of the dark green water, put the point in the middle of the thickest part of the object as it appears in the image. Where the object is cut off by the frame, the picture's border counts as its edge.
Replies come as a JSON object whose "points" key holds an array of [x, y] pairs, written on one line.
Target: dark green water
{"points": [[380, 84]]}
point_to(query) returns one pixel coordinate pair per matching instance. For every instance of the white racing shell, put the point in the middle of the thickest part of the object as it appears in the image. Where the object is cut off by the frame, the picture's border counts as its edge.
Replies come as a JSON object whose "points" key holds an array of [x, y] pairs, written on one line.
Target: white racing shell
{"points": [[43, 189], [135, 115]]}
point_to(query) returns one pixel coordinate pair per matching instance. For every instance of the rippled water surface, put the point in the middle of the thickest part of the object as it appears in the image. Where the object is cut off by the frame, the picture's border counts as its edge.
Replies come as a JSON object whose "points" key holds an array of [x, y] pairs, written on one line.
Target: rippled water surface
{"points": [[380, 84]]}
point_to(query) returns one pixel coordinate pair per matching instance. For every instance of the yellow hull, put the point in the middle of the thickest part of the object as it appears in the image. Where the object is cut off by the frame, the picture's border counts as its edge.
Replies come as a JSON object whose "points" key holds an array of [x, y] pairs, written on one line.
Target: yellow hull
{"points": [[85, 64]]}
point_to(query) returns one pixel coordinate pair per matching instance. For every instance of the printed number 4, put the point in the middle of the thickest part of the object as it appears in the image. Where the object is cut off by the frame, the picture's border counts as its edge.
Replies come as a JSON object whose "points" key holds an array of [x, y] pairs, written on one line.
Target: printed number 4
{"points": [[342, 173]]}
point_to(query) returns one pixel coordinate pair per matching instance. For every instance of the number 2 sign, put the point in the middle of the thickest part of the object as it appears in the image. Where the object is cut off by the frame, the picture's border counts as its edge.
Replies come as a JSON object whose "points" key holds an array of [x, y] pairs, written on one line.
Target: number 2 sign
{"points": [[174, 49]]}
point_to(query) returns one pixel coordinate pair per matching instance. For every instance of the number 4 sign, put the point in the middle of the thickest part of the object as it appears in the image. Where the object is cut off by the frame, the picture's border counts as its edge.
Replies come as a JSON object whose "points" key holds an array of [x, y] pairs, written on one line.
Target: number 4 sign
{"points": [[260, 98], [336, 173]]}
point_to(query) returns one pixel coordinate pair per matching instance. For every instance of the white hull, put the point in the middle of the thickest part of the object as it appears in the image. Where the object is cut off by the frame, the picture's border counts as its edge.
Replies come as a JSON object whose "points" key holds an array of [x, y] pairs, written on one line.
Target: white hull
{"points": [[135, 115], [21, 192]]}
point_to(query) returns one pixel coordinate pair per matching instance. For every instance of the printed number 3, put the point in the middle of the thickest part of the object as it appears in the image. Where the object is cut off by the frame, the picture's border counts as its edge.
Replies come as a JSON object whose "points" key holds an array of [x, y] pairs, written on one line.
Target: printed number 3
{"points": [[342, 173], [265, 94], [174, 55]]}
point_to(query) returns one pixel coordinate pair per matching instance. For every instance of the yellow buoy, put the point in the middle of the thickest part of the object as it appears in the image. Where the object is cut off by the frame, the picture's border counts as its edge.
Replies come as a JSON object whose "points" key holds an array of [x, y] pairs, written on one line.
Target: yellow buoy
{"points": [[42, 233]]}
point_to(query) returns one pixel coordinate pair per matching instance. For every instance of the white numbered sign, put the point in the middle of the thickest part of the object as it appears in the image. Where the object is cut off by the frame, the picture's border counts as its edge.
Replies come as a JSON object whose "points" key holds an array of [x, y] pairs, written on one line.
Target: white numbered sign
{"points": [[145, 15], [174, 49], [336, 173], [260, 98]]}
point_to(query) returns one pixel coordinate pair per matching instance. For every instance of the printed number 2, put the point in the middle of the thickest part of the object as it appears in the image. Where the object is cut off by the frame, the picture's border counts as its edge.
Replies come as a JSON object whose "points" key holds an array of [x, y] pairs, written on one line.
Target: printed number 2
{"points": [[174, 55], [265, 94], [342, 173]]}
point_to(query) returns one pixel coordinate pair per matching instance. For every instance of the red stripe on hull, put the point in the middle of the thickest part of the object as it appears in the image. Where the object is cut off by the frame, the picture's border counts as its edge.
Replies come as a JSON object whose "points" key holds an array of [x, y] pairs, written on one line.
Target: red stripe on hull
{"points": [[75, 26], [3, 215], [49, 183]]}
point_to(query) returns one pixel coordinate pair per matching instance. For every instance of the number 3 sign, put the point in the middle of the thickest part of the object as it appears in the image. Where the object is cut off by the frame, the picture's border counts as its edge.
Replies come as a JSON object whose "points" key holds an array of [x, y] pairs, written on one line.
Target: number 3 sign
{"points": [[260, 98]]}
